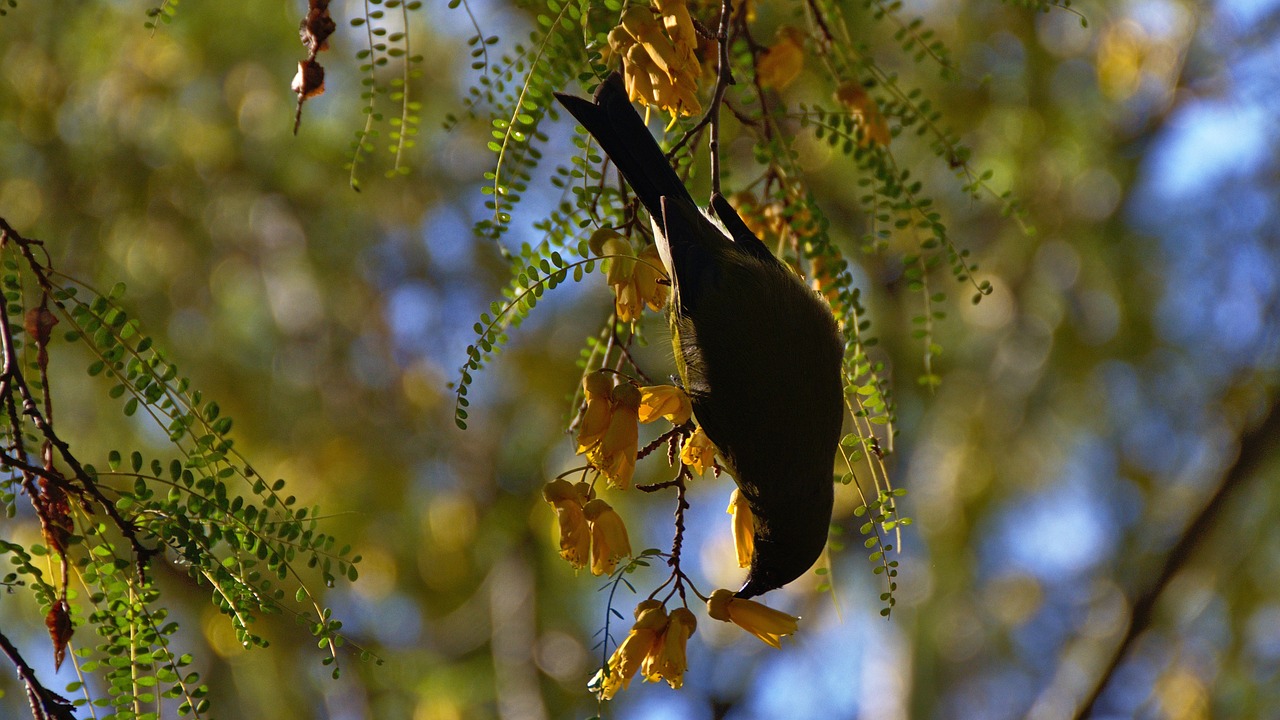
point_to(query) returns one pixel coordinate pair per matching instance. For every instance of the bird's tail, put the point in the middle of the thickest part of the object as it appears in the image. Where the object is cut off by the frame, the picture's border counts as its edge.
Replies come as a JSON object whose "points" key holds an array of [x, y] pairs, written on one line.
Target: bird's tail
{"points": [[616, 125]]}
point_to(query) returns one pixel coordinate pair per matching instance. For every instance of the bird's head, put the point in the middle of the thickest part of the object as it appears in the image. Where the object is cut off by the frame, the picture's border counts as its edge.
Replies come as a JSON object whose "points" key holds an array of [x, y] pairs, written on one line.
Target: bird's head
{"points": [[789, 536]]}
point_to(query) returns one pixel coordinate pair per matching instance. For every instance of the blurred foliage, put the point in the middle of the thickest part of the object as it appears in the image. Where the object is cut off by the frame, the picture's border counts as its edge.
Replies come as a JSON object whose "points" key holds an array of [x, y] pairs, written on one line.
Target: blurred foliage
{"points": [[1088, 408]]}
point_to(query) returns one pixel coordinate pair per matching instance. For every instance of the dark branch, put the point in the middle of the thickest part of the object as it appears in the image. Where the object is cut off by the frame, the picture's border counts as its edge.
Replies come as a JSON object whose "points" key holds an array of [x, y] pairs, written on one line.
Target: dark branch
{"points": [[1255, 446], [45, 704]]}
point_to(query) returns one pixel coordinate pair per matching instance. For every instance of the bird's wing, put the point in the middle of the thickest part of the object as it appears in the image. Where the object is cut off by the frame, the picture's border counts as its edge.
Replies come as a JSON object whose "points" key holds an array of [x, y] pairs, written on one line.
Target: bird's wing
{"points": [[697, 249]]}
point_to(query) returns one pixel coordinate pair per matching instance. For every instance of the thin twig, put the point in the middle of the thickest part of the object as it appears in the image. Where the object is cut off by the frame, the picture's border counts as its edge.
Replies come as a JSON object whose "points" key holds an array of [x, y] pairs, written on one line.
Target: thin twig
{"points": [[724, 78]]}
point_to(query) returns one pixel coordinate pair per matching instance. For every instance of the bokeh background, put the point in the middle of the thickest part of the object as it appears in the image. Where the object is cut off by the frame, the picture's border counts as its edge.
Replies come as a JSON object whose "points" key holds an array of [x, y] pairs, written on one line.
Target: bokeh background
{"points": [[1089, 408]]}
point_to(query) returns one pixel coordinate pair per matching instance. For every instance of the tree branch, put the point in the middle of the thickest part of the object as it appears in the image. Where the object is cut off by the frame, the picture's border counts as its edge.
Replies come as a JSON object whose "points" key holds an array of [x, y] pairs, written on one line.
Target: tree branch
{"points": [[1255, 446], [45, 704], [13, 380]]}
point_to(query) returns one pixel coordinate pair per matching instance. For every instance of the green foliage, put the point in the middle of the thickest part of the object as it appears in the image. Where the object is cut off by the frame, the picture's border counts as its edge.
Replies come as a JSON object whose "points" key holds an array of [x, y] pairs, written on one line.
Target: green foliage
{"points": [[519, 95], [1048, 5], [539, 274], [162, 13], [205, 509], [385, 45], [881, 519]]}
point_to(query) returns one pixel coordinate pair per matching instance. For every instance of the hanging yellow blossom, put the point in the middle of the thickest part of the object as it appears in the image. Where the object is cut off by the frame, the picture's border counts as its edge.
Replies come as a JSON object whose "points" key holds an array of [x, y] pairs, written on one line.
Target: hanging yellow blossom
{"points": [[620, 271], [615, 454], [609, 541], [782, 62], [744, 528], [575, 534], [665, 401], [619, 259], [651, 618], [698, 452], [679, 26], [650, 279], [659, 66], [775, 218], [627, 302], [676, 96], [636, 281], [640, 23], [864, 109], [597, 387], [668, 660], [760, 620]]}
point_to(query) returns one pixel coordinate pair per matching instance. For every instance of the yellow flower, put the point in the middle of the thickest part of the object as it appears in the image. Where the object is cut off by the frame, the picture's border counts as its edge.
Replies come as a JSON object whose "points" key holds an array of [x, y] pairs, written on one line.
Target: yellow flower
{"points": [[635, 74], [651, 618], [649, 278], [660, 68], [762, 621], [643, 26], [627, 302], [620, 41], [636, 282], [606, 243], [675, 18], [597, 387], [744, 528], [615, 454], [782, 62], [609, 541], [575, 534], [677, 96], [698, 452], [863, 107], [668, 661], [666, 401]]}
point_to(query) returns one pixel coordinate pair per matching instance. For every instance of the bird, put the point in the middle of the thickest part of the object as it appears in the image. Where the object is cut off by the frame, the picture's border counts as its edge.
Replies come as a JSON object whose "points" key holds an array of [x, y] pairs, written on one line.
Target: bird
{"points": [[758, 351]]}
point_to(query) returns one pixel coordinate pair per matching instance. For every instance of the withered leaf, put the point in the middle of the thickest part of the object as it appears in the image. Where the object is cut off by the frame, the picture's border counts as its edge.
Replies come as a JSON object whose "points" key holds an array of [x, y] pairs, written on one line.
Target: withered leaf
{"points": [[59, 623], [309, 82], [39, 323], [316, 27]]}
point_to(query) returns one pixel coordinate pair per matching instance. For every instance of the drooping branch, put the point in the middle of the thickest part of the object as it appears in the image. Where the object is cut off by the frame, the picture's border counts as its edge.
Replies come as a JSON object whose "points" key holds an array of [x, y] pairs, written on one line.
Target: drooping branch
{"points": [[1256, 446], [21, 403]]}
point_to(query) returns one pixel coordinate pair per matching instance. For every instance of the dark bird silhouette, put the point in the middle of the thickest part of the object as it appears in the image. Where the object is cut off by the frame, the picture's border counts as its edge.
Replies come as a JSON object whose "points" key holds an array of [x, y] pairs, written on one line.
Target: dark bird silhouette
{"points": [[758, 351]]}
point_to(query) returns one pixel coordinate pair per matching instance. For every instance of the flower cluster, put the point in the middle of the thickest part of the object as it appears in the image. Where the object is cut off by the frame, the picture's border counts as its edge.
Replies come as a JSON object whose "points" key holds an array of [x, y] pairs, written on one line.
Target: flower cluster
{"points": [[588, 527], [592, 534], [637, 281], [776, 221], [659, 65], [655, 647], [609, 433]]}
